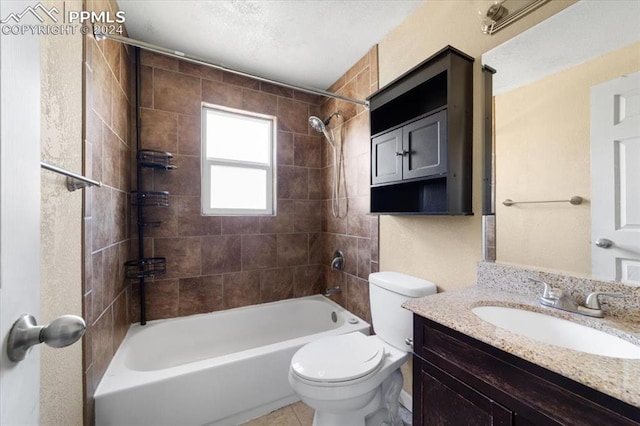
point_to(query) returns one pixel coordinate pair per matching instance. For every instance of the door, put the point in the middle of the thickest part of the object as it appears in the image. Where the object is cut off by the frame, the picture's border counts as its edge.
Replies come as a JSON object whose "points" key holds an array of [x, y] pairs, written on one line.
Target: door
{"points": [[424, 143], [615, 179], [19, 212]]}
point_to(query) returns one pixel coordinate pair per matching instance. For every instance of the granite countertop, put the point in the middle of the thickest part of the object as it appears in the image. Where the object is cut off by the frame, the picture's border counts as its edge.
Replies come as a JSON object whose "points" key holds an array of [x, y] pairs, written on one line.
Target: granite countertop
{"points": [[619, 378]]}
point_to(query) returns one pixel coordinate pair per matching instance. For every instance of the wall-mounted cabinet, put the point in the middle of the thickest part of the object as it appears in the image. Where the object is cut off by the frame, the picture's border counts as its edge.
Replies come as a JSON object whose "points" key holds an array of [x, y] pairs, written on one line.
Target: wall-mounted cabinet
{"points": [[421, 143]]}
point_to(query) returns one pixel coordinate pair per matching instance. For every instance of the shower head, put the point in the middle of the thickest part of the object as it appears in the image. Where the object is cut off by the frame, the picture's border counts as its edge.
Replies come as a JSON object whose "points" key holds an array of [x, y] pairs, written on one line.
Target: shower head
{"points": [[317, 124], [320, 125]]}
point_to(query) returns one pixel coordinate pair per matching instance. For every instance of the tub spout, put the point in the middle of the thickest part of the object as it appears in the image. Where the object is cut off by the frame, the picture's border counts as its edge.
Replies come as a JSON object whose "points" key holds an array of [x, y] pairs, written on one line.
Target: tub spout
{"points": [[332, 290]]}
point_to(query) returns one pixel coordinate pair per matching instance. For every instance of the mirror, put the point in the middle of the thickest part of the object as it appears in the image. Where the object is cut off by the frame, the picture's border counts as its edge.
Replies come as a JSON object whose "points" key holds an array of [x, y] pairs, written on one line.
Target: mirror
{"points": [[542, 134]]}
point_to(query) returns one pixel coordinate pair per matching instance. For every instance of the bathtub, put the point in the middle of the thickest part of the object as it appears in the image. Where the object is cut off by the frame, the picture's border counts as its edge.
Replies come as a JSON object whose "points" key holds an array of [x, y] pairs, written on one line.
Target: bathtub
{"points": [[221, 368]]}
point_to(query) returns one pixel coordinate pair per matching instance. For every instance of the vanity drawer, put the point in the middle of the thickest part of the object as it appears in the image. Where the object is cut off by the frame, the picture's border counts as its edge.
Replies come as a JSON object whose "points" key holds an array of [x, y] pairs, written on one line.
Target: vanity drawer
{"points": [[531, 392]]}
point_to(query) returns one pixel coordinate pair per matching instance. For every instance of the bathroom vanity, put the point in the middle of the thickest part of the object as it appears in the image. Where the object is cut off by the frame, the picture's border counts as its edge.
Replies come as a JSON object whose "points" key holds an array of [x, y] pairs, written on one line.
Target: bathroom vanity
{"points": [[467, 371]]}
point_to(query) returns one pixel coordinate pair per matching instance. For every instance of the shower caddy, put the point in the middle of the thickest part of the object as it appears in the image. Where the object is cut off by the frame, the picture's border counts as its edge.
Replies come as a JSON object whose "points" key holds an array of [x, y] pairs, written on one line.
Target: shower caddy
{"points": [[148, 267]]}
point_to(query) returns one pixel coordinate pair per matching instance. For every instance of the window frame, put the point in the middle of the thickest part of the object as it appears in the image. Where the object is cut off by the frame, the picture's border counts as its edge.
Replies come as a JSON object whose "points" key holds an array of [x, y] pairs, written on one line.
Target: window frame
{"points": [[207, 162]]}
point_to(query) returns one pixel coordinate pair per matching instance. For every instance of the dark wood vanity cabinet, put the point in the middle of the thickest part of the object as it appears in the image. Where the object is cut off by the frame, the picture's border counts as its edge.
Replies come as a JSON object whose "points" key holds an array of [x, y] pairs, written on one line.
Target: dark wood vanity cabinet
{"points": [[458, 380], [421, 143]]}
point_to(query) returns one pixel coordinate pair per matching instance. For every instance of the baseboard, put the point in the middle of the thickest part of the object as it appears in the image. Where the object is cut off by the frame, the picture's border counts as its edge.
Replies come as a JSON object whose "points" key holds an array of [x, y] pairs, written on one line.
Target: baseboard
{"points": [[406, 400]]}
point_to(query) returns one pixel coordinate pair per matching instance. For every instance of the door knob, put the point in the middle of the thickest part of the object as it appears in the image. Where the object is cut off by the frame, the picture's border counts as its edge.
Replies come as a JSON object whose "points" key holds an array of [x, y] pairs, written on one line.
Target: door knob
{"points": [[60, 332], [604, 243]]}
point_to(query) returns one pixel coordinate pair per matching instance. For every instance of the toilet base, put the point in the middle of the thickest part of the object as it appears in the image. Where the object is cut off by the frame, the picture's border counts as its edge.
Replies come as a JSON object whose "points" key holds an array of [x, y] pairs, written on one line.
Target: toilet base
{"points": [[383, 409]]}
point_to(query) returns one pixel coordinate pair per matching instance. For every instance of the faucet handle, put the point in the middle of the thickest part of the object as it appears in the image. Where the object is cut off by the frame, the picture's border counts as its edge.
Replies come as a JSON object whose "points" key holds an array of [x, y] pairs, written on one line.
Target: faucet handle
{"points": [[549, 292], [593, 302]]}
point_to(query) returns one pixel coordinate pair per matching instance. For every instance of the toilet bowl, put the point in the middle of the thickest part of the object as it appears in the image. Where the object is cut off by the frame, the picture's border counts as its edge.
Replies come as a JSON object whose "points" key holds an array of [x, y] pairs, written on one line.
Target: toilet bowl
{"points": [[354, 379], [340, 376]]}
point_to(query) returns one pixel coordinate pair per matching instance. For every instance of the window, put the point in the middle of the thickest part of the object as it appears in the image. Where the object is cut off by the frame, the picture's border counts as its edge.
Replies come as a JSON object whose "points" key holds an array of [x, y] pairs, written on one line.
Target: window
{"points": [[237, 162]]}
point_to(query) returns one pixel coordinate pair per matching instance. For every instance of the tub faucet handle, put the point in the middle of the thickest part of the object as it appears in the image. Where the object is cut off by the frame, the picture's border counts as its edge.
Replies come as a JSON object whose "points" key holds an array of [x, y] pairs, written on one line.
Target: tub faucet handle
{"points": [[337, 263]]}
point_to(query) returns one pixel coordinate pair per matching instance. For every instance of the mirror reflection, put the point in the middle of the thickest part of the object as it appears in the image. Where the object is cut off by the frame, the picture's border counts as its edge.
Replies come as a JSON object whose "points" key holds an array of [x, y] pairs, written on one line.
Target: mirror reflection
{"points": [[548, 104]]}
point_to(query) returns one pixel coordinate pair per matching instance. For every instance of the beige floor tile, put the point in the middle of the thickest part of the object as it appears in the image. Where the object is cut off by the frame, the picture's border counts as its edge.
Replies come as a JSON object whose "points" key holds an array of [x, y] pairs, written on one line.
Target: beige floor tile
{"points": [[282, 417], [303, 412]]}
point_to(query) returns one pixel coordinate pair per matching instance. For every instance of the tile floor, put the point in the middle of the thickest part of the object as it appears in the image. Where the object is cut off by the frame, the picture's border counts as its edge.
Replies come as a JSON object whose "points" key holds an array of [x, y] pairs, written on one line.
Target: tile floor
{"points": [[300, 414]]}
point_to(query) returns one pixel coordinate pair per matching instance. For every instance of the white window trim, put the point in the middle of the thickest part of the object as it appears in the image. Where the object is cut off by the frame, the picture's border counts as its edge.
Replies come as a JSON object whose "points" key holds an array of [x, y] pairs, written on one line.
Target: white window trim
{"points": [[206, 164]]}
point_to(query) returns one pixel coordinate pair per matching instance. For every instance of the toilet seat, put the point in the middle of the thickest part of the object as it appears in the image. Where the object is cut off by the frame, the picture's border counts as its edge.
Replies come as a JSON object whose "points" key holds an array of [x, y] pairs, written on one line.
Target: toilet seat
{"points": [[335, 359]]}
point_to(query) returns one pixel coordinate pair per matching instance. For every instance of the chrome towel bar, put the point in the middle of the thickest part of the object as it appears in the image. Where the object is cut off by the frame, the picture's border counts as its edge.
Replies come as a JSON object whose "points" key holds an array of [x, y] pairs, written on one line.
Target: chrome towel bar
{"points": [[575, 200], [74, 180]]}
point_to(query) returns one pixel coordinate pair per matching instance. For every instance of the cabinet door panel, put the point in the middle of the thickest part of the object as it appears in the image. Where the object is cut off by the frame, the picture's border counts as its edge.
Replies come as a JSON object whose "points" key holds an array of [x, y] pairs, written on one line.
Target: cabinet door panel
{"points": [[425, 142], [447, 401], [386, 166]]}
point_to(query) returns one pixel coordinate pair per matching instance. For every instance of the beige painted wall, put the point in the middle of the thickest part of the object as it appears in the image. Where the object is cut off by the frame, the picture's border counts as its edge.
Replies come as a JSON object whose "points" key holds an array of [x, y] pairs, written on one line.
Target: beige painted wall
{"points": [[443, 249], [61, 214], [542, 153]]}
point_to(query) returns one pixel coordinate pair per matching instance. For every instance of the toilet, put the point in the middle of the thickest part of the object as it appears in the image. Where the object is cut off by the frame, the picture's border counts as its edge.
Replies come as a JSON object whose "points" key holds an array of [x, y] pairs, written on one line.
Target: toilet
{"points": [[354, 379]]}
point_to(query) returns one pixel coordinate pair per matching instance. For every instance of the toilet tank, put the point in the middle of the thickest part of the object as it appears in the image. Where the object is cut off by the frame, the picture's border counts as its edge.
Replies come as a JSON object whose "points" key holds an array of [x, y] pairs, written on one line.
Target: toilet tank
{"points": [[387, 292]]}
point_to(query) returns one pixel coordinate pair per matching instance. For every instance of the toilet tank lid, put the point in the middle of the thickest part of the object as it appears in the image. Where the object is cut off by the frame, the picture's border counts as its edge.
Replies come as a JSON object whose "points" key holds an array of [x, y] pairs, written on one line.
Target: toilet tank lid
{"points": [[404, 284]]}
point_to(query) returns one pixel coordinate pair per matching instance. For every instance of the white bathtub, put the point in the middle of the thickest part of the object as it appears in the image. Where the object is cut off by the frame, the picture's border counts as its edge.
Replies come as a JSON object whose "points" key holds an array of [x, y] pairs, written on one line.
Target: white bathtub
{"points": [[221, 368]]}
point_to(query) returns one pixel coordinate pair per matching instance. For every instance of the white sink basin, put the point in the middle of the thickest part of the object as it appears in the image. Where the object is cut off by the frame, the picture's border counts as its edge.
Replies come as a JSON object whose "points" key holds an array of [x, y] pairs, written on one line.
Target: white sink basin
{"points": [[557, 331]]}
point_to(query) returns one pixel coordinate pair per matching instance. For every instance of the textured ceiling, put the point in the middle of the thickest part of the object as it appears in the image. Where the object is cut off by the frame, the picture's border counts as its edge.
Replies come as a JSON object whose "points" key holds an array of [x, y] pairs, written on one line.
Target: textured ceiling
{"points": [[310, 43]]}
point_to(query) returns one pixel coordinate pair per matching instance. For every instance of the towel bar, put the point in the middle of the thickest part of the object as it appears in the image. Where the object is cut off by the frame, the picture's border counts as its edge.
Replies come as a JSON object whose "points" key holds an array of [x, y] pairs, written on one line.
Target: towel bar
{"points": [[575, 200], [74, 180]]}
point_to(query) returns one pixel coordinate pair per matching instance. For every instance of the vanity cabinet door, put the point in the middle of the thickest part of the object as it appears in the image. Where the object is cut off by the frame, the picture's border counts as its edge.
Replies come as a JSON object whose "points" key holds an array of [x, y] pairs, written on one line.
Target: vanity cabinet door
{"points": [[445, 400], [424, 143], [386, 157]]}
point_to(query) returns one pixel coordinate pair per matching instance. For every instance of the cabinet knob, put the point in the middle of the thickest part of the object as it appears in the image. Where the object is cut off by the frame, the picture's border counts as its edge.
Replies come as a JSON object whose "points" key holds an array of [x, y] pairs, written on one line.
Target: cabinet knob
{"points": [[401, 153]]}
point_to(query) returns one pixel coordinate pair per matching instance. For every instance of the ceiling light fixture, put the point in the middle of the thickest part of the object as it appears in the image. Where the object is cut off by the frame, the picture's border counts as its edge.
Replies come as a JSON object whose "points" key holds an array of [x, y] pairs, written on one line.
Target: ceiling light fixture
{"points": [[495, 16]]}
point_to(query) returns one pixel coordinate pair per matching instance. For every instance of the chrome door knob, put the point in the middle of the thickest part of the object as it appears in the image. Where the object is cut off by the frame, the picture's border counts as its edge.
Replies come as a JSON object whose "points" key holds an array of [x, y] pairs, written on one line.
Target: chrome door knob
{"points": [[604, 243], [25, 333]]}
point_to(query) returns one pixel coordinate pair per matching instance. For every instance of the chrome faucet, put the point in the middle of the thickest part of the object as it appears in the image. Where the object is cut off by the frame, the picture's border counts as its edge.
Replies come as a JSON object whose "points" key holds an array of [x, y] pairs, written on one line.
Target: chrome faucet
{"points": [[556, 298], [332, 290]]}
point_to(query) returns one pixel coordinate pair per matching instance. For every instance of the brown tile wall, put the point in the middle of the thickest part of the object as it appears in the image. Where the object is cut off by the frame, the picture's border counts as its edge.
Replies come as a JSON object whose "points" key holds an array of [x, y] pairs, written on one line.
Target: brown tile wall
{"points": [[220, 262], [355, 232], [108, 148]]}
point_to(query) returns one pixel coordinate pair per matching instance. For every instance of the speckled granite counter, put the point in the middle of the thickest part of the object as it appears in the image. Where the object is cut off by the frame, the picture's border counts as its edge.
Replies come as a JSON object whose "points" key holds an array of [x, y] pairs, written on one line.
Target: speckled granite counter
{"points": [[619, 378]]}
